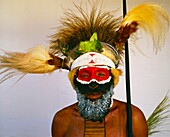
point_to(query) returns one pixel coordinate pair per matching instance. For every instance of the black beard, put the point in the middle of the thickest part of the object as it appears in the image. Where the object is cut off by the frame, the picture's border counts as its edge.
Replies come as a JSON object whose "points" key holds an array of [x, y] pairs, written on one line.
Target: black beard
{"points": [[95, 110]]}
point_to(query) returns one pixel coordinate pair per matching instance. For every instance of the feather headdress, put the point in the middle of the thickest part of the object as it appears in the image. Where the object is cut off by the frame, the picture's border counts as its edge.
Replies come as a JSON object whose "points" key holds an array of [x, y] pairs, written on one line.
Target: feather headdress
{"points": [[98, 31]]}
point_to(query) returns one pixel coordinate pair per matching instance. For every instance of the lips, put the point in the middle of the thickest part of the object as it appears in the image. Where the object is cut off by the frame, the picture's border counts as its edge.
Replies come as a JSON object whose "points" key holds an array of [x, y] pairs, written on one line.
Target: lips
{"points": [[94, 95]]}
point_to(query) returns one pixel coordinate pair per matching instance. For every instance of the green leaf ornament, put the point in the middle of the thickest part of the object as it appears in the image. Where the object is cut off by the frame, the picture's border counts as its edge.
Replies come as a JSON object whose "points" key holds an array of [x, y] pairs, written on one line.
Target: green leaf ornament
{"points": [[93, 45]]}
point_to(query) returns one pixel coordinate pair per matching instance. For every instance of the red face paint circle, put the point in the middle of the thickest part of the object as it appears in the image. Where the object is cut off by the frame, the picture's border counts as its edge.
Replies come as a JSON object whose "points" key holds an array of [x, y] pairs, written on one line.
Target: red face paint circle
{"points": [[100, 74]]}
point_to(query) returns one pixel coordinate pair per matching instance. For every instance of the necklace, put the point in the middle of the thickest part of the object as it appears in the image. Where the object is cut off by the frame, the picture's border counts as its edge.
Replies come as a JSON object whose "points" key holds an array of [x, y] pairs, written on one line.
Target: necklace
{"points": [[94, 129]]}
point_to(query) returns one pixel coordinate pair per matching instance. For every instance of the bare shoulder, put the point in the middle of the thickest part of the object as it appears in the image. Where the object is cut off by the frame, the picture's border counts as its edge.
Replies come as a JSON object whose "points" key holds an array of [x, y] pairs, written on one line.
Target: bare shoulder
{"points": [[139, 123], [137, 113], [66, 111], [62, 119], [140, 127]]}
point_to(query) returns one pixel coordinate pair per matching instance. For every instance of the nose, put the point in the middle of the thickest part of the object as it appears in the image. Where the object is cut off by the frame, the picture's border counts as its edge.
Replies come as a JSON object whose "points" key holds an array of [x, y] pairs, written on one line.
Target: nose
{"points": [[93, 85]]}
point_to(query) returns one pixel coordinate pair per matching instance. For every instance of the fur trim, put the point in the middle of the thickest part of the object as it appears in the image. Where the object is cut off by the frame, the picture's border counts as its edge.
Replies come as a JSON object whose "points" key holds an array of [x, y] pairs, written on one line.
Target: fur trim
{"points": [[71, 75], [116, 73]]}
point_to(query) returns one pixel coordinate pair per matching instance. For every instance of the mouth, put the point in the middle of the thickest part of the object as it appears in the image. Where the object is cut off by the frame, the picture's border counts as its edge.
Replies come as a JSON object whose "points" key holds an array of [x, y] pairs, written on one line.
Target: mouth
{"points": [[94, 95]]}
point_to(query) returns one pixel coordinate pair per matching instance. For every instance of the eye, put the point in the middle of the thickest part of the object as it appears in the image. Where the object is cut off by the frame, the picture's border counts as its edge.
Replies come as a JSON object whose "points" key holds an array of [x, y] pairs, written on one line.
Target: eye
{"points": [[100, 74], [84, 75]]}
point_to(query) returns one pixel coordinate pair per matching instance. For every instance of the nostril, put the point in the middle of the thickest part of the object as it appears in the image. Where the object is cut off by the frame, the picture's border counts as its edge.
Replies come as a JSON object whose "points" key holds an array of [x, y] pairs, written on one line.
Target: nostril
{"points": [[93, 85]]}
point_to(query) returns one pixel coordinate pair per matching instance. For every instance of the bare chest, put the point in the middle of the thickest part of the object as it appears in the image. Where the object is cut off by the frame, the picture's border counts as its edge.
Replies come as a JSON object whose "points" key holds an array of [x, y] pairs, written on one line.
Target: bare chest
{"points": [[113, 126]]}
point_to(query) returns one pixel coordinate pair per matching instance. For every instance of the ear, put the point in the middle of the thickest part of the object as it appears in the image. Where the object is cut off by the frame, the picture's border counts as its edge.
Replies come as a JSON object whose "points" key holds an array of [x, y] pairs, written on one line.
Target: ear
{"points": [[71, 75], [116, 73]]}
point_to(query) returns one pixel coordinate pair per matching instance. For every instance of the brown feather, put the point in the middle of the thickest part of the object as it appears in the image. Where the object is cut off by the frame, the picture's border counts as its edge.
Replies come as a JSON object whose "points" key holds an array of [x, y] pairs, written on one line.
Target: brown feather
{"points": [[80, 27]]}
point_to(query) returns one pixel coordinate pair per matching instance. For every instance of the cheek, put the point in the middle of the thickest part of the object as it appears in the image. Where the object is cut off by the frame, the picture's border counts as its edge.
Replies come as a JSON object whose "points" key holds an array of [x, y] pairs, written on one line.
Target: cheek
{"points": [[83, 88]]}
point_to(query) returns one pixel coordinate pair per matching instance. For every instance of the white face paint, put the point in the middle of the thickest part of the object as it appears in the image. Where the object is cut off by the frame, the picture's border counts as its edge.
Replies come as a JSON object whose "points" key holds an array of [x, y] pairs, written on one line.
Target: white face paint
{"points": [[98, 74], [92, 59]]}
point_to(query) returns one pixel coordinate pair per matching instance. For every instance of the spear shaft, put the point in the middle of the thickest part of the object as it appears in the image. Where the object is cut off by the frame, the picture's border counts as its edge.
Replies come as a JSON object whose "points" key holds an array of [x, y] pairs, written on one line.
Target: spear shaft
{"points": [[127, 74]]}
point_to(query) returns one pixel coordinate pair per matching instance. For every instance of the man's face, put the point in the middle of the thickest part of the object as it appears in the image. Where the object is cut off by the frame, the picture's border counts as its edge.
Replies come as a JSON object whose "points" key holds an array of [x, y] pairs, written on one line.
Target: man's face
{"points": [[93, 81], [94, 86]]}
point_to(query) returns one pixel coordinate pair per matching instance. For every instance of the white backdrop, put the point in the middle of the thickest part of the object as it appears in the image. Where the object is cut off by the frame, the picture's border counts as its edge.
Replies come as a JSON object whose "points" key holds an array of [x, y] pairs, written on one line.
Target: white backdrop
{"points": [[27, 107]]}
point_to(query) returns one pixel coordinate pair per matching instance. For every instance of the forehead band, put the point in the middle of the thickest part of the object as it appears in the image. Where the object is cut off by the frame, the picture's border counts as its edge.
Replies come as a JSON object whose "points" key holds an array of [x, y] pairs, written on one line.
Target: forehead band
{"points": [[92, 59]]}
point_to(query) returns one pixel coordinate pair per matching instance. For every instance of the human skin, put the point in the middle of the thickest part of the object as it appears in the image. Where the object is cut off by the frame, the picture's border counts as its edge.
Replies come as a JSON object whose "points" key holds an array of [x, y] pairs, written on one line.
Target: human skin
{"points": [[69, 123]]}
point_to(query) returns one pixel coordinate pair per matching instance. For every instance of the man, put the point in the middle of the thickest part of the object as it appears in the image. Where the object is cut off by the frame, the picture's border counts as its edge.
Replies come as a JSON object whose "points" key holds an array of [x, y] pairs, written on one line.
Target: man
{"points": [[96, 114], [93, 68], [94, 71]]}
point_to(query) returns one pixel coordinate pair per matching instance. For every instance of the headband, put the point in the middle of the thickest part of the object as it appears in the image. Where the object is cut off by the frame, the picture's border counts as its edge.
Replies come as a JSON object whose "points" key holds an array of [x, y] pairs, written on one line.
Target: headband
{"points": [[92, 59]]}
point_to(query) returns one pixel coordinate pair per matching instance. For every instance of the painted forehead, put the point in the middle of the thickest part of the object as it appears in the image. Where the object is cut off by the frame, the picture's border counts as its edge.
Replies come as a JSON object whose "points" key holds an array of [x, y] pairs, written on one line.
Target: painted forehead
{"points": [[94, 67], [92, 59]]}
